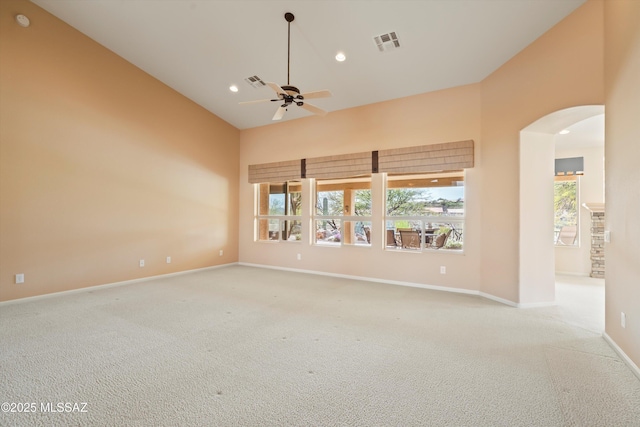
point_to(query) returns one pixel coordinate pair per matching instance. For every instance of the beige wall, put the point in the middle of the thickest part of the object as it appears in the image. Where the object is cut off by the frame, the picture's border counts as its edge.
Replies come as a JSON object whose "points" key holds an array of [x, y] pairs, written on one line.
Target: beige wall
{"points": [[622, 151], [101, 165], [563, 68], [444, 116]]}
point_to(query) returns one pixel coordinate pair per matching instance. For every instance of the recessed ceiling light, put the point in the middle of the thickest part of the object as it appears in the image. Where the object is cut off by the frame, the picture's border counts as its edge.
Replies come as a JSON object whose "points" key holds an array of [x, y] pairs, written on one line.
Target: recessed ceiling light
{"points": [[22, 20], [340, 57], [564, 131], [233, 88]]}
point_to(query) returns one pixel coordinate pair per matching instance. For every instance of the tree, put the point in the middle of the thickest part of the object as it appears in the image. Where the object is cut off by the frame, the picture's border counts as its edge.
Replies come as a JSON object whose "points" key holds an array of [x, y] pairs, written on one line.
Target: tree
{"points": [[405, 201], [276, 204], [330, 203], [565, 202], [363, 203], [295, 208], [295, 203], [446, 203]]}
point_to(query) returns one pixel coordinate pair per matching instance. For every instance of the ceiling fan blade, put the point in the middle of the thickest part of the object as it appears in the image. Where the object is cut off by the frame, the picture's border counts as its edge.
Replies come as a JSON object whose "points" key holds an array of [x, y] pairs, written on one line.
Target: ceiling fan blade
{"points": [[277, 89], [279, 113], [316, 94], [258, 101], [314, 109]]}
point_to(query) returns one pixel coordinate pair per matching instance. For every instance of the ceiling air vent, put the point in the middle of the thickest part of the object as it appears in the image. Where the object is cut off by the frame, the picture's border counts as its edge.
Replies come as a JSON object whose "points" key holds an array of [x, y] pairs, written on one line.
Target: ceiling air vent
{"points": [[255, 81], [387, 41]]}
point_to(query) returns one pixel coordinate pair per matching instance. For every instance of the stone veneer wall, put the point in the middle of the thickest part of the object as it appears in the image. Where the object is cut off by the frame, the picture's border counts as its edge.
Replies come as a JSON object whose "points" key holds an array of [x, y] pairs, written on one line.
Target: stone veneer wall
{"points": [[597, 244]]}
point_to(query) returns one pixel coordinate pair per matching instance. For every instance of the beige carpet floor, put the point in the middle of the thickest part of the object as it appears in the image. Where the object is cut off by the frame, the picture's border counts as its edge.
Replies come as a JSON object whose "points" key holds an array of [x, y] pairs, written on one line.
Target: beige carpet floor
{"points": [[242, 346]]}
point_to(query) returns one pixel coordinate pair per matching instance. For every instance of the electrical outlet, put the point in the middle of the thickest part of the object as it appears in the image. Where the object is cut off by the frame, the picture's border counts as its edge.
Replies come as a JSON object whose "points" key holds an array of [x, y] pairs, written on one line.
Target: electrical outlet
{"points": [[19, 278], [299, 257], [141, 263], [221, 252], [168, 260], [443, 269], [623, 319]]}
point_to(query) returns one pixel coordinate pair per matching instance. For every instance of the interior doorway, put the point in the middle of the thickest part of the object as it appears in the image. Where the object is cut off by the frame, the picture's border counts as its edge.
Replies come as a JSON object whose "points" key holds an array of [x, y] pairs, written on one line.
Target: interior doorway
{"points": [[550, 274]]}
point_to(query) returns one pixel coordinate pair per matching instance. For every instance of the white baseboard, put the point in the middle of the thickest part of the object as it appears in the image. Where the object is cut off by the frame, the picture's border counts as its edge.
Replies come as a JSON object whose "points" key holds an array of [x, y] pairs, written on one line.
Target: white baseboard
{"points": [[571, 273], [517, 304], [410, 284], [498, 299], [370, 279], [537, 304], [110, 285], [297, 270], [622, 354]]}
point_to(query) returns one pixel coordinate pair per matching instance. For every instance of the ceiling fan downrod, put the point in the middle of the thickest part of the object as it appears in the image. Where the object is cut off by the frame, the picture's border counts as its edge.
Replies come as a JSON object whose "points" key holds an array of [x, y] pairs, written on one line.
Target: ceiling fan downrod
{"points": [[288, 95], [289, 17]]}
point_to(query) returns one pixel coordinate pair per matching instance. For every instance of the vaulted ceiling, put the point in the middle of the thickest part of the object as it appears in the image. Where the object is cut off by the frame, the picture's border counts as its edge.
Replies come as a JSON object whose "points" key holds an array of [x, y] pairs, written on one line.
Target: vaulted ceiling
{"points": [[202, 47]]}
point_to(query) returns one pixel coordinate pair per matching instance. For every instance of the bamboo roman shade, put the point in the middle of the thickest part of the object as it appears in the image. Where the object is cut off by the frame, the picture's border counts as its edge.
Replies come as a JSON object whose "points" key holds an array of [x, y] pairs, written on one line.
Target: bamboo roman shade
{"points": [[341, 166], [427, 158], [449, 156], [275, 172]]}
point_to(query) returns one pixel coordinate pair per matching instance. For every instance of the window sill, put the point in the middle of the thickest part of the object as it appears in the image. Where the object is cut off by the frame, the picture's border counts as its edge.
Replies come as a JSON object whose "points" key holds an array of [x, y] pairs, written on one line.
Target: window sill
{"points": [[426, 251], [338, 245]]}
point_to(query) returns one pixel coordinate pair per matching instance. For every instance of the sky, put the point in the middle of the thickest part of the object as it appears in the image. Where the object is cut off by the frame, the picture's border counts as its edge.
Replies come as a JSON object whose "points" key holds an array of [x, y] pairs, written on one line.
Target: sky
{"points": [[447, 193]]}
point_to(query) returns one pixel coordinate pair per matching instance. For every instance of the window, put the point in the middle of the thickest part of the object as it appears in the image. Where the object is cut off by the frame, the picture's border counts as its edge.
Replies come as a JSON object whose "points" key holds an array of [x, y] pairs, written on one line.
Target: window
{"points": [[279, 212], [343, 212], [425, 212], [565, 202]]}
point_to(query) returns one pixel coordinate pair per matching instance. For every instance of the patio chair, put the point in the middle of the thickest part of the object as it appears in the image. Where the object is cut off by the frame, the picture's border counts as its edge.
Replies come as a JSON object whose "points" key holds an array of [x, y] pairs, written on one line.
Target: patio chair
{"points": [[441, 240], [567, 235], [391, 238], [410, 239]]}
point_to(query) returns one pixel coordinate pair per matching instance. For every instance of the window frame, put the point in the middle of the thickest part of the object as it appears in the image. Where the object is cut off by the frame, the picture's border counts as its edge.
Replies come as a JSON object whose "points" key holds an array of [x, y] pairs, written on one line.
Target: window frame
{"points": [[352, 184], [556, 233], [282, 220], [425, 221]]}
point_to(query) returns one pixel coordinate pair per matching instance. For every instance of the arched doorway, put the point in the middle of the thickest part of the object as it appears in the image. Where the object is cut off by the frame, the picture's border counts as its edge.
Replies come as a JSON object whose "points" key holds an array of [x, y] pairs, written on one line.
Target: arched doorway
{"points": [[537, 249]]}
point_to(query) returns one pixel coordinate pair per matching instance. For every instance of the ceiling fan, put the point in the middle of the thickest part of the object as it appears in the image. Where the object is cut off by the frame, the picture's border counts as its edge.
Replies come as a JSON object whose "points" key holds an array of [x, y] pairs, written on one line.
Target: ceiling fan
{"points": [[290, 95]]}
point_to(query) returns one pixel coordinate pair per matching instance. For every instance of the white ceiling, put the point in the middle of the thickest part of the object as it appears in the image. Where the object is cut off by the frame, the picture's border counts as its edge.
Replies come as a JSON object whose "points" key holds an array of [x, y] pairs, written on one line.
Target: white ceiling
{"points": [[585, 126], [201, 47], [583, 134]]}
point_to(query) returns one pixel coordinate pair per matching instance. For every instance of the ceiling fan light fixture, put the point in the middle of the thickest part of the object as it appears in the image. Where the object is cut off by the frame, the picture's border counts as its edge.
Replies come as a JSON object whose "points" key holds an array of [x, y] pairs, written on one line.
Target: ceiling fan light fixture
{"points": [[287, 95]]}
